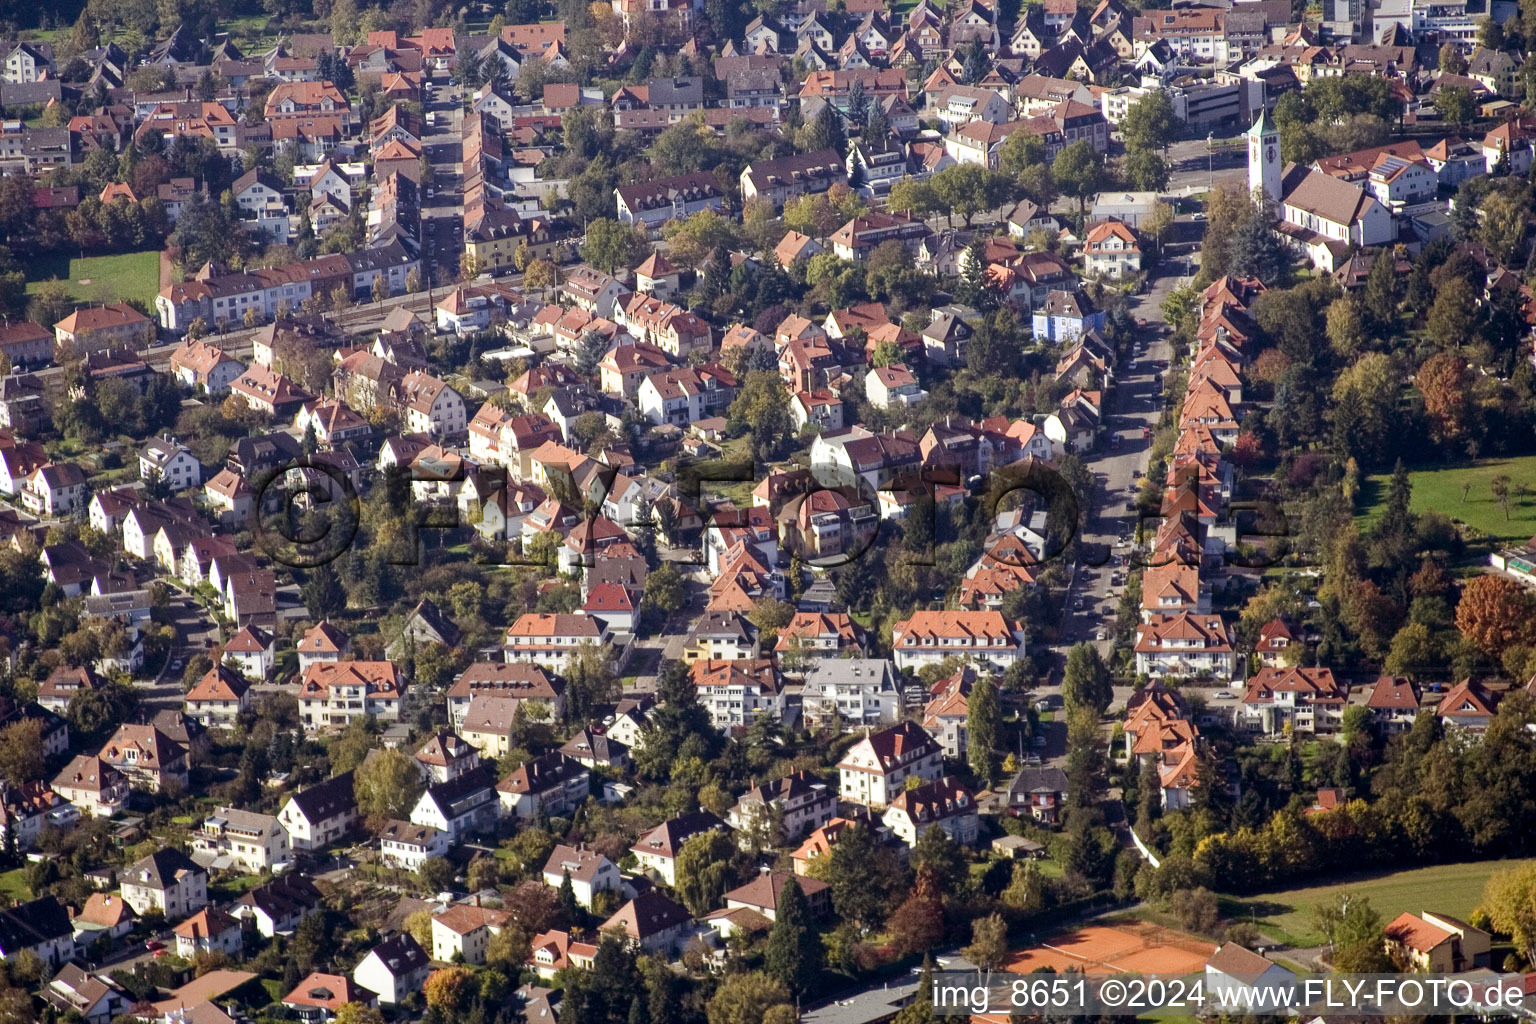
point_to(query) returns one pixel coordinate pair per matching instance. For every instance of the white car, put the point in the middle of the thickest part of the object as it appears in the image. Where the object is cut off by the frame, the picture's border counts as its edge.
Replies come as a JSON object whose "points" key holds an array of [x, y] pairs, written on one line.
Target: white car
{"points": [[1225, 695], [1100, 635]]}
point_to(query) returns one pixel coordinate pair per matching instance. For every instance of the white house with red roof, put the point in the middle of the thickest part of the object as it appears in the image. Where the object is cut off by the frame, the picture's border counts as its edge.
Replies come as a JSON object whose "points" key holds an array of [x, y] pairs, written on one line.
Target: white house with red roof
{"points": [[1186, 644], [54, 490], [657, 850], [590, 872], [1111, 250], [334, 693], [736, 692], [1468, 705], [943, 802], [1275, 639], [1286, 700], [885, 386], [549, 640], [929, 637], [652, 922], [613, 603], [822, 635], [430, 406], [658, 277], [197, 363], [252, 651], [876, 768], [322, 642], [792, 806], [555, 950], [219, 698], [1393, 703], [764, 892]]}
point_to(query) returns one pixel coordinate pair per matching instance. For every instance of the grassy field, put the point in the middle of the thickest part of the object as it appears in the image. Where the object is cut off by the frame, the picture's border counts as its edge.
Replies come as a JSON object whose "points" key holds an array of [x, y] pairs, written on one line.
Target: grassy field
{"points": [[131, 275], [1454, 889], [14, 886], [1442, 490]]}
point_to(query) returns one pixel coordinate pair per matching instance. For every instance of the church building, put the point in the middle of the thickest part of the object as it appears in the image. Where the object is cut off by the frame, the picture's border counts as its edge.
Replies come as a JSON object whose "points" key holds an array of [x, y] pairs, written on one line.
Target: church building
{"points": [[1319, 213]]}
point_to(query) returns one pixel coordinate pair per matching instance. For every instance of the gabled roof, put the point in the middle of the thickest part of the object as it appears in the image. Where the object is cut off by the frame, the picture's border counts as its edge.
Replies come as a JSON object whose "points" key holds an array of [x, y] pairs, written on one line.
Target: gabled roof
{"points": [[765, 891], [326, 799], [667, 839], [162, 869], [650, 913], [1467, 699], [220, 683]]}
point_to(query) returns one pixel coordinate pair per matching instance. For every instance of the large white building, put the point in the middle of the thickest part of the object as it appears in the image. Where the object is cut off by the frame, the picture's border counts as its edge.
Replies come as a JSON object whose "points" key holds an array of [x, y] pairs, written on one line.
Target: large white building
{"points": [[859, 691], [877, 768], [249, 842], [1322, 215], [929, 637]]}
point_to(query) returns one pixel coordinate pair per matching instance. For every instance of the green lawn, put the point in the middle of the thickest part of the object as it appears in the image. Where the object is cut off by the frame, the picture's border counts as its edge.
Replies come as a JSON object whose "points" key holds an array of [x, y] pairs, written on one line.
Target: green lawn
{"points": [[1454, 889], [132, 275], [14, 886], [1441, 490]]}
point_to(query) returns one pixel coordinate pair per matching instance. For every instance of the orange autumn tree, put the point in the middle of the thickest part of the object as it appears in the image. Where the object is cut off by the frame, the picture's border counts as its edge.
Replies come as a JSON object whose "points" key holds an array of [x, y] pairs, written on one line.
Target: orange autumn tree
{"points": [[1496, 613], [447, 988]]}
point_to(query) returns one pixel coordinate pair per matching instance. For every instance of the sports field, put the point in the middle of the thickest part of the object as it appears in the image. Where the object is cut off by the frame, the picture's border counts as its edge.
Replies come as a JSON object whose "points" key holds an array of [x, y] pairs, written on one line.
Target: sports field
{"points": [[1287, 915], [1131, 946], [129, 275]]}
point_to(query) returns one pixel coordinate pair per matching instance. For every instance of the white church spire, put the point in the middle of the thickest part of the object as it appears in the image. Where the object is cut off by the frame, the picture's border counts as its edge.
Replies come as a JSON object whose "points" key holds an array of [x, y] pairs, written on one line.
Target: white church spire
{"points": [[1264, 157]]}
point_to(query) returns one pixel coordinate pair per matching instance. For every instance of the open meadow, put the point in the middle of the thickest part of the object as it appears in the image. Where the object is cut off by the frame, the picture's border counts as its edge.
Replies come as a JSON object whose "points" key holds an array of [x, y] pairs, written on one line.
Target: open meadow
{"points": [[101, 279], [1465, 493]]}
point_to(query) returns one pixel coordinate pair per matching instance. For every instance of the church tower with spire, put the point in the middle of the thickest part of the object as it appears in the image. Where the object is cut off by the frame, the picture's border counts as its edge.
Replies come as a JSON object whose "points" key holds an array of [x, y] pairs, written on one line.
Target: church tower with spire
{"points": [[1264, 169]]}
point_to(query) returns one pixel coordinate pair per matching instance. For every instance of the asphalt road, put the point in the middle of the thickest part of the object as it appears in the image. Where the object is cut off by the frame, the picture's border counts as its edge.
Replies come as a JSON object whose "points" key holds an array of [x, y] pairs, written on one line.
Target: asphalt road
{"points": [[442, 212], [1120, 461]]}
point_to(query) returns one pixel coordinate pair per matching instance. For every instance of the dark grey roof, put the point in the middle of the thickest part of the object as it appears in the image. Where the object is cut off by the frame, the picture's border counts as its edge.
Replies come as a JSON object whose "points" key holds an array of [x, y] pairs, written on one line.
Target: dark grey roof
{"points": [[1038, 780], [327, 799], [461, 787], [401, 954], [159, 869], [25, 94], [283, 896], [682, 90], [382, 258], [431, 616], [28, 924]]}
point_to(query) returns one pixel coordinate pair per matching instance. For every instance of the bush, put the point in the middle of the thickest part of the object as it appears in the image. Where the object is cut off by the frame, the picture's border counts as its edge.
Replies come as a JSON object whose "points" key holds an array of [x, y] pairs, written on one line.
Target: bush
{"points": [[1196, 909]]}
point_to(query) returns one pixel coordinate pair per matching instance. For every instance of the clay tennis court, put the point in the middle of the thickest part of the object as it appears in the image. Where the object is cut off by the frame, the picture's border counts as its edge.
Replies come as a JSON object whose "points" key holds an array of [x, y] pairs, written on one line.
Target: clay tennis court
{"points": [[1131, 947]]}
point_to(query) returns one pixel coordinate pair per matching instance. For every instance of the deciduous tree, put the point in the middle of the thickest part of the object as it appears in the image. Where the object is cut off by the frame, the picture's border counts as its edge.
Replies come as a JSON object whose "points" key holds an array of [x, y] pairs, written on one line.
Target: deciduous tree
{"points": [[864, 877], [918, 924], [989, 943], [387, 786], [1495, 613], [610, 245], [21, 752], [1086, 681], [746, 998], [1078, 171], [704, 871], [1149, 123], [1443, 382], [1509, 900]]}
